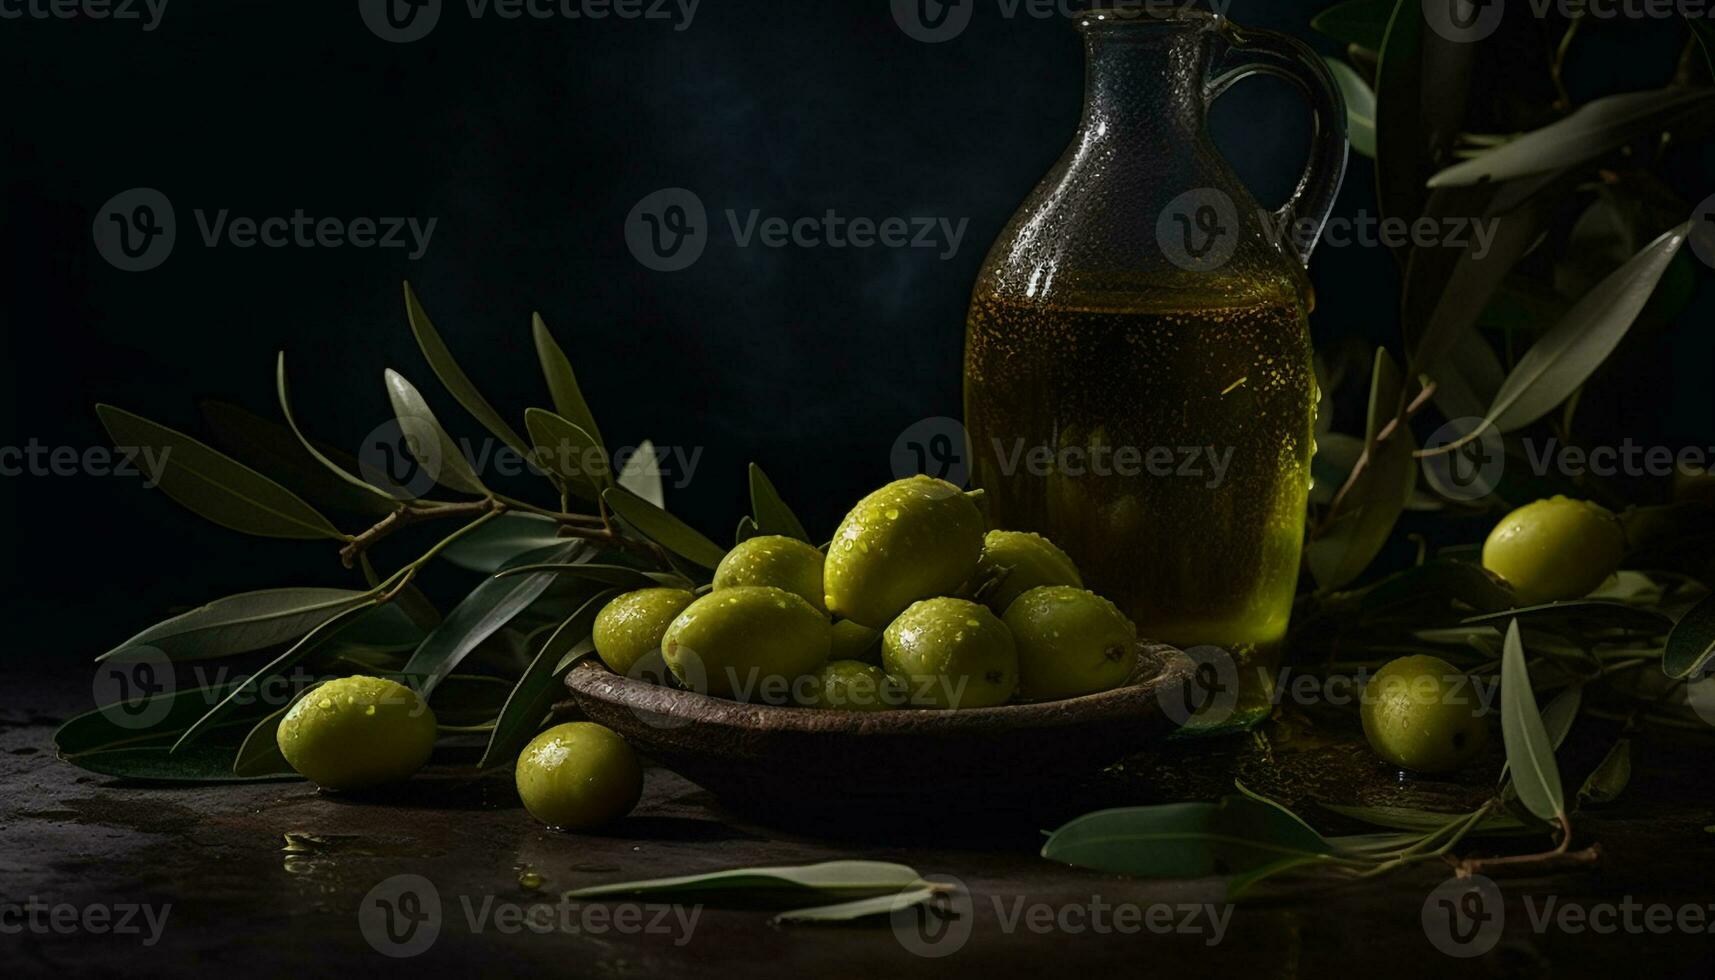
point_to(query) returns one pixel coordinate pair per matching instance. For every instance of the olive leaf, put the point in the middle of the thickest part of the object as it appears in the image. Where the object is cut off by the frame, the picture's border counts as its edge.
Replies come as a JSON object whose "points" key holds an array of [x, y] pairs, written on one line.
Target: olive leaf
{"points": [[427, 442], [246, 691], [562, 447], [836, 878], [98, 742], [501, 540], [298, 465], [284, 393], [1594, 129], [663, 528], [621, 575], [641, 476], [912, 897], [1424, 821], [1422, 80], [484, 611], [1360, 106], [1609, 779], [538, 688], [1467, 378], [244, 622], [1359, 527], [1530, 754], [1692, 642], [457, 383], [1360, 22], [1557, 721], [1185, 840], [212, 484], [1581, 618], [1566, 356], [568, 398], [772, 514]]}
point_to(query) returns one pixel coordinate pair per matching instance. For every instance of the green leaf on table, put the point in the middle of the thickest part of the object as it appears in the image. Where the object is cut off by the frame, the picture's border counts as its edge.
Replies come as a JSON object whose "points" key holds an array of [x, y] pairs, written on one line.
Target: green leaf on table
{"points": [[244, 622], [839, 878], [501, 540], [427, 441], [1609, 779], [212, 484], [1359, 526], [110, 741], [1184, 840], [1424, 821], [275, 449], [663, 528], [202, 763], [343, 470], [247, 690], [1360, 22], [568, 398], [1594, 129], [565, 449], [457, 383], [484, 611], [1564, 358], [642, 476], [539, 687], [863, 907], [1530, 754], [1360, 106], [772, 514], [1692, 642]]}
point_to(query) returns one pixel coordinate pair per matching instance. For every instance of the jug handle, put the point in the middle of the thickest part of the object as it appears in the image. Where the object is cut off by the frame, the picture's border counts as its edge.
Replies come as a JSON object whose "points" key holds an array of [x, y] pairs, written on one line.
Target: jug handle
{"points": [[1300, 221]]}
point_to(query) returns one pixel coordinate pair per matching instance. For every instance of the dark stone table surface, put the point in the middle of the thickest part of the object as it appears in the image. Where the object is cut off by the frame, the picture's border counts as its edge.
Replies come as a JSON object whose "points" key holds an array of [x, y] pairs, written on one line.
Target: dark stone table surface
{"points": [[269, 879]]}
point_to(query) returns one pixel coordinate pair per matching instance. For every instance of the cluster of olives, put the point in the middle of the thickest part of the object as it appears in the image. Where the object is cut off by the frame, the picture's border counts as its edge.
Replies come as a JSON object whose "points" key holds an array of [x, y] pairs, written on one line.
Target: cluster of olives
{"points": [[912, 605]]}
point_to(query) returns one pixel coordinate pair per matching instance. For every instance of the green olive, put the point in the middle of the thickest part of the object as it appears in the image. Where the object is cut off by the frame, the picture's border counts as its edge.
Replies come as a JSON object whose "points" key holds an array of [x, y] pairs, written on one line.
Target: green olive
{"points": [[357, 732], [951, 653], [630, 627], [853, 641], [1021, 561], [913, 539], [1070, 642], [785, 563], [1424, 714], [848, 685], [748, 642], [578, 776], [1555, 549]]}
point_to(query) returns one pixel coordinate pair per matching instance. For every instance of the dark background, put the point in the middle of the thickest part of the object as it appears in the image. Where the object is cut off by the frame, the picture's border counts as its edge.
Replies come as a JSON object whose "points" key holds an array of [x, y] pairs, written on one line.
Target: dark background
{"points": [[529, 141]]}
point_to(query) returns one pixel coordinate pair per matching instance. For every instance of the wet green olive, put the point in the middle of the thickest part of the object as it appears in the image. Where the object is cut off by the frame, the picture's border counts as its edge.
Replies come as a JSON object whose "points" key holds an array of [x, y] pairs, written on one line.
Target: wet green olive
{"points": [[1070, 642], [913, 539], [785, 563], [1555, 549], [357, 732], [951, 653], [1424, 714], [854, 641], [848, 685], [578, 776], [1021, 561], [748, 642], [630, 627]]}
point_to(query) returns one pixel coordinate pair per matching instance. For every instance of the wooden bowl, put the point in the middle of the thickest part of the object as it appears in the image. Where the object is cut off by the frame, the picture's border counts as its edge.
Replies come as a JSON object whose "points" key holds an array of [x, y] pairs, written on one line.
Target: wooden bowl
{"points": [[780, 762]]}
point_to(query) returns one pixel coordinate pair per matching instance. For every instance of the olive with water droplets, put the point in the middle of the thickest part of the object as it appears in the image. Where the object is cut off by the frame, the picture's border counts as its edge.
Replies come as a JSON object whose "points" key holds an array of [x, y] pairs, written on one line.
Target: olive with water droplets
{"points": [[1071, 642], [913, 539], [951, 653]]}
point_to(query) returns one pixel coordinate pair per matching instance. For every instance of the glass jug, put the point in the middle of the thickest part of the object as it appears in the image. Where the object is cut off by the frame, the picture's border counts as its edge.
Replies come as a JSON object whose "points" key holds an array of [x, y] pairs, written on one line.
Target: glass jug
{"points": [[1138, 376]]}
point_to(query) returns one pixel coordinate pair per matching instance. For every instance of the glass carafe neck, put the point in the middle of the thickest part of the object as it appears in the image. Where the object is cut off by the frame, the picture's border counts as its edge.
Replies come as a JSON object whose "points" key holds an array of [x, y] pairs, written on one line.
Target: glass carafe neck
{"points": [[1144, 79]]}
